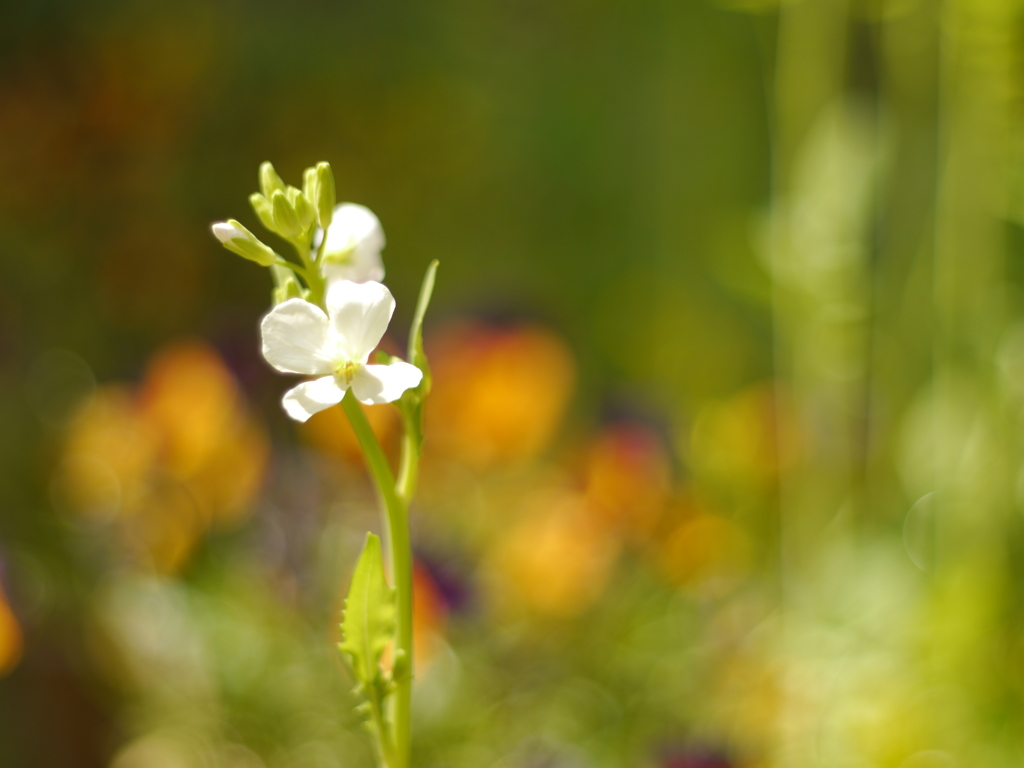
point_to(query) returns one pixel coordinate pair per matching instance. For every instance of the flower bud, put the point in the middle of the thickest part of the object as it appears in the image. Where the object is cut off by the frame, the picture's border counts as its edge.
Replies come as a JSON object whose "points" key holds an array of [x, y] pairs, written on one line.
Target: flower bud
{"points": [[270, 182], [286, 221], [303, 208], [264, 210], [308, 180], [240, 240], [323, 198]]}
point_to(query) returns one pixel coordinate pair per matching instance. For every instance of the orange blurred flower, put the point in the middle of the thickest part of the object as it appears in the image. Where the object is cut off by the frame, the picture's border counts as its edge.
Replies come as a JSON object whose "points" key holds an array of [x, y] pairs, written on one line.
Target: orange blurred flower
{"points": [[190, 398], [706, 553], [556, 561], [11, 640], [628, 477], [430, 613], [167, 461], [499, 394]]}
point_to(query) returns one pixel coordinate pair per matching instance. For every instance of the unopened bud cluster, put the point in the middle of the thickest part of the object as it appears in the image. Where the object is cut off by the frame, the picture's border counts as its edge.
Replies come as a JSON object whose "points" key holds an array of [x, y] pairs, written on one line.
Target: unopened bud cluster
{"points": [[297, 215], [289, 211], [330, 306]]}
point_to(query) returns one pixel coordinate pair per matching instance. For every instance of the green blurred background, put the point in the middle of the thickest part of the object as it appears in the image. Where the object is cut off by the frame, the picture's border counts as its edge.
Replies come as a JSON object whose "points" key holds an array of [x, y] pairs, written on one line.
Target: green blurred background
{"points": [[725, 464]]}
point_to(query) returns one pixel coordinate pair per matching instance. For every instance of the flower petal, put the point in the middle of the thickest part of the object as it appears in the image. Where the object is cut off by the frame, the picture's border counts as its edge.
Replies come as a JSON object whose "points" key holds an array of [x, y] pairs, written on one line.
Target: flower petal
{"points": [[296, 337], [373, 384], [311, 397], [353, 226], [225, 231], [354, 242], [360, 313]]}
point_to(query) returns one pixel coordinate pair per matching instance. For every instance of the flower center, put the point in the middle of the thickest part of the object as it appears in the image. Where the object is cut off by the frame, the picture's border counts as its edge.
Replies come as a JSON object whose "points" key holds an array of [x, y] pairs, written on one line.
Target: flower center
{"points": [[346, 371], [341, 255]]}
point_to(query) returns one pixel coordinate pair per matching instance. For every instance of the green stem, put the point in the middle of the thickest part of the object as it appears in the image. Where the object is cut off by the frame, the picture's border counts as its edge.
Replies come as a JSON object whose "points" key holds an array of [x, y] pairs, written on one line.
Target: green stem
{"points": [[296, 268], [400, 556], [385, 747], [311, 272], [408, 468]]}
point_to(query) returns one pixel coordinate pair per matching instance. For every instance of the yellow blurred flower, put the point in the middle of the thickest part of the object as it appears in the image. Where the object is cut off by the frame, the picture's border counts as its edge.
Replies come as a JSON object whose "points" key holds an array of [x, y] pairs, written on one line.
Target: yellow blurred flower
{"points": [[107, 455], [229, 480], [208, 441], [499, 394], [748, 439], [556, 560], [11, 640], [166, 461], [749, 695]]}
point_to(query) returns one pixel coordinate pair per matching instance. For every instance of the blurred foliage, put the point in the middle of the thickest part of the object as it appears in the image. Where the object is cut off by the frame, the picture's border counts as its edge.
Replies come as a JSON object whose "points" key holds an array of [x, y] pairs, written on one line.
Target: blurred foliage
{"points": [[724, 462]]}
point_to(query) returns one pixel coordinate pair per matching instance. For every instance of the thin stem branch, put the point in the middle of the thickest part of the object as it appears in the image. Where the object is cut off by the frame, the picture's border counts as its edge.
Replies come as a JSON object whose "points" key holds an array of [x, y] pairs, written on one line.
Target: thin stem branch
{"points": [[296, 268], [412, 414]]}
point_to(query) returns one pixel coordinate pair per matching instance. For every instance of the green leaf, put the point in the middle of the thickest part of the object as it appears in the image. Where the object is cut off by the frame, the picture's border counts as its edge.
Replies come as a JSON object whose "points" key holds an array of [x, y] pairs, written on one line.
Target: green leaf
{"points": [[411, 402], [369, 621], [416, 355]]}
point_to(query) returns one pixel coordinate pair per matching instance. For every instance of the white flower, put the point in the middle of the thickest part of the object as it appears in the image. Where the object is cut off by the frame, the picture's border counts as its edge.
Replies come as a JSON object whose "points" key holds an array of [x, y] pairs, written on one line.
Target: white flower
{"points": [[354, 242], [299, 338]]}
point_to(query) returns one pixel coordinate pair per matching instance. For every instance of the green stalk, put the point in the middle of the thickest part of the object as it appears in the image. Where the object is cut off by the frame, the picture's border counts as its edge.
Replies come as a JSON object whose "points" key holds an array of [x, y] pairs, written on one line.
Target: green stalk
{"points": [[399, 548], [385, 746], [314, 279], [408, 469]]}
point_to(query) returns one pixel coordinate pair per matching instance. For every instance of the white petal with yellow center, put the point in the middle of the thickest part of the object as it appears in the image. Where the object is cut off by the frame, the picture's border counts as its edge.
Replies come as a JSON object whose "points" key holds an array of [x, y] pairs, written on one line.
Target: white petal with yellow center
{"points": [[298, 337]]}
